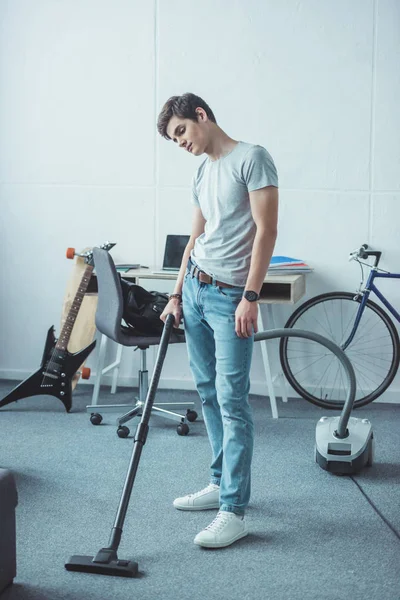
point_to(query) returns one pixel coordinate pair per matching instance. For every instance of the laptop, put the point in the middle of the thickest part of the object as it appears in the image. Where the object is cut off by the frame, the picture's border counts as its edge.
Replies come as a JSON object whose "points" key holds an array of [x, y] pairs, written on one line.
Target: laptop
{"points": [[174, 248]]}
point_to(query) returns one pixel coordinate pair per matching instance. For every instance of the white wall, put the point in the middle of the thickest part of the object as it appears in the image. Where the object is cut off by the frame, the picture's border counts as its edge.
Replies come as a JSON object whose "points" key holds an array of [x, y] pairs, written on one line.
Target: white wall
{"points": [[82, 82]]}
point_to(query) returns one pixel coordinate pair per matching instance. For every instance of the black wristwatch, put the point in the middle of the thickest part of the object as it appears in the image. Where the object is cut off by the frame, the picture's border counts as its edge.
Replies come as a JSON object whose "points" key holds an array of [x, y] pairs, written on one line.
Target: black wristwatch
{"points": [[251, 296]]}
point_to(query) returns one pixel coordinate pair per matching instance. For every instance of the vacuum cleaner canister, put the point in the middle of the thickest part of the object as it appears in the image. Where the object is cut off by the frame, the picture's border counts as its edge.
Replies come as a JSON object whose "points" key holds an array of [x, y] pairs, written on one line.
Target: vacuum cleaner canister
{"points": [[344, 455]]}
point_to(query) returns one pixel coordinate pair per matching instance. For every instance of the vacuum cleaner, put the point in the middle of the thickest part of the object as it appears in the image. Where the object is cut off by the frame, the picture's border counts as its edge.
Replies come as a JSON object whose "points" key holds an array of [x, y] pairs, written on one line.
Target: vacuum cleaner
{"points": [[344, 444], [106, 561]]}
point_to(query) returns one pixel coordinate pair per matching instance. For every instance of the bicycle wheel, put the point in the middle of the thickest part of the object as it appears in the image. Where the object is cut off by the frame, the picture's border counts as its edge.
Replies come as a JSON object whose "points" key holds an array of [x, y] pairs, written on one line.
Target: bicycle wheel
{"points": [[316, 374]]}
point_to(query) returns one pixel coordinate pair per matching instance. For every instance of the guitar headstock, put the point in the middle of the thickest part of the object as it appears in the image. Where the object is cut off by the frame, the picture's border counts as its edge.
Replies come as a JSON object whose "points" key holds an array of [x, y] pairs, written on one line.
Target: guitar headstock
{"points": [[88, 256]]}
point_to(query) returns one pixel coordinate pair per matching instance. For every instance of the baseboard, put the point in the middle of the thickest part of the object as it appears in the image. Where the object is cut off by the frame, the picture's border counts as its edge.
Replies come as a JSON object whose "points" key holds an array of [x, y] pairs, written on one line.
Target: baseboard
{"points": [[132, 381], [391, 396]]}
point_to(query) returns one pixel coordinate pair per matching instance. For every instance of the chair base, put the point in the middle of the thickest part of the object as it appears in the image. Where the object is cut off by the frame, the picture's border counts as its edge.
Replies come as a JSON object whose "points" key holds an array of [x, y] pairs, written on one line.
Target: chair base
{"points": [[136, 410], [160, 409], [156, 411]]}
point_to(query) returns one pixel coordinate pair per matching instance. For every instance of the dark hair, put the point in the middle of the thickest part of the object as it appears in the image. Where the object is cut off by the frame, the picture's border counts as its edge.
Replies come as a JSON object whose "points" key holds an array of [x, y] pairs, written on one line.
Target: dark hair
{"points": [[184, 107]]}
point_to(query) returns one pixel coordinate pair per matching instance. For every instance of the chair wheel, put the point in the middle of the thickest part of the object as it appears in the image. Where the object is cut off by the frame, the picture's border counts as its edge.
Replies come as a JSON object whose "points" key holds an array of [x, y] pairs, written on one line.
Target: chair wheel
{"points": [[123, 431], [191, 415], [182, 429], [96, 419]]}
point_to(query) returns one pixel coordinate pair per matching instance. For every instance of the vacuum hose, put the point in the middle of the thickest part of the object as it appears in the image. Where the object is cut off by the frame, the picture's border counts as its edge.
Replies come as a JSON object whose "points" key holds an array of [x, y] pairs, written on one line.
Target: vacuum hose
{"points": [[341, 431]]}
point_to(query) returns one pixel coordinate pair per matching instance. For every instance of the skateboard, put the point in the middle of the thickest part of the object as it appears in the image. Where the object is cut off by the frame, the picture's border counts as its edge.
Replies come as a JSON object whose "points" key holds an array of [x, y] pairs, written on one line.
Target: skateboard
{"points": [[84, 329]]}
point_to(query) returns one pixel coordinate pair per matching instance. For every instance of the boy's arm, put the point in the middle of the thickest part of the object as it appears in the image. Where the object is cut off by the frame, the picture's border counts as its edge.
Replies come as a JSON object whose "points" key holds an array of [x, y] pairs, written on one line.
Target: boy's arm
{"points": [[198, 224], [264, 208]]}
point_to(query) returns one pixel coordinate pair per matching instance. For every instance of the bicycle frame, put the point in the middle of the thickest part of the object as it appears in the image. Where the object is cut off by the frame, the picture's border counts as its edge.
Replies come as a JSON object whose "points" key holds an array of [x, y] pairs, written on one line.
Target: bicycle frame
{"points": [[370, 287]]}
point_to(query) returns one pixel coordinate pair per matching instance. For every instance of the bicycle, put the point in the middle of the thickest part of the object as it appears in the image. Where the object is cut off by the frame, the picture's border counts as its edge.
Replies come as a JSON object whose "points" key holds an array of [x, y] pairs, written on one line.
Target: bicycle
{"points": [[358, 326]]}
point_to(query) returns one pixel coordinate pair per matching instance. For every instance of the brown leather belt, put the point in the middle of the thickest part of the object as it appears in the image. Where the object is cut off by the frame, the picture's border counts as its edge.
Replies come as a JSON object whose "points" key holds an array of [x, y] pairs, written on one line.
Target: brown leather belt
{"points": [[204, 278]]}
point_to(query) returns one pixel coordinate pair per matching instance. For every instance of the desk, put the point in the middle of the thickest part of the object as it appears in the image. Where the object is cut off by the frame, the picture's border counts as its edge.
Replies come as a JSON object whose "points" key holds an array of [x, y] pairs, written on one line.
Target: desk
{"points": [[276, 289]]}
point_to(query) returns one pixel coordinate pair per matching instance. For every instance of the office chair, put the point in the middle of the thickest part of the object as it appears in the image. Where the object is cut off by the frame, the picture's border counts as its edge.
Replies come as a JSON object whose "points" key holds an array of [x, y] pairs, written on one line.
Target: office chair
{"points": [[109, 323]]}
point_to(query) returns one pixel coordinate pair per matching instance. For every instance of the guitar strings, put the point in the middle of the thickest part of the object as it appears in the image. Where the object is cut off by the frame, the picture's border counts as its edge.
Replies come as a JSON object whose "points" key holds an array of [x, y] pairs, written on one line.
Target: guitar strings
{"points": [[81, 290], [51, 365]]}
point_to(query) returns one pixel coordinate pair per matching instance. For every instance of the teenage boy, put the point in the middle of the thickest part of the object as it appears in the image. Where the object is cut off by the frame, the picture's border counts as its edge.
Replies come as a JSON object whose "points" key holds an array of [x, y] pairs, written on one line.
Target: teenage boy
{"points": [[235, 197]]}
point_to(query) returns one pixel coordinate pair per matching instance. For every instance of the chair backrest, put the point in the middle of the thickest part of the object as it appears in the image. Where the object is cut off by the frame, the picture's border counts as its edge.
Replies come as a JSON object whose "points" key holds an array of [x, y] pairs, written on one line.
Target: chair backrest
{"points": [[110, 302]]}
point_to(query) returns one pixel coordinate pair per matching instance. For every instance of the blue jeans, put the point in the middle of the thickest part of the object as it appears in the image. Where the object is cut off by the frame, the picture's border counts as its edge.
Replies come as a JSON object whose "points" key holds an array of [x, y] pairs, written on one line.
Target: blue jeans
{"points": [[220, 363]]}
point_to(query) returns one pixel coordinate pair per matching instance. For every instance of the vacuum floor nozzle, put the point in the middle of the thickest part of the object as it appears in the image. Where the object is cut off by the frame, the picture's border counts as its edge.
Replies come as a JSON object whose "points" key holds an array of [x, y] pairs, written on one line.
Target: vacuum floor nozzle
{"points": [[114, 566]]}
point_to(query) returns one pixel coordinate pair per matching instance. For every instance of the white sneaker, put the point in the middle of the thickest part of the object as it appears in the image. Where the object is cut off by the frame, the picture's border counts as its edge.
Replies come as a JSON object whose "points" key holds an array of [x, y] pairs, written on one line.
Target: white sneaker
{"points": [[203, 500], [223, 531]]}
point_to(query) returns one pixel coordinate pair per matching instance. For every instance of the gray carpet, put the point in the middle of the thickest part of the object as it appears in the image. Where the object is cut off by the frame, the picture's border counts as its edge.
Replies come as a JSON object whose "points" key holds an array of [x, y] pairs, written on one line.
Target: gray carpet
{"points": [[313, 535]]}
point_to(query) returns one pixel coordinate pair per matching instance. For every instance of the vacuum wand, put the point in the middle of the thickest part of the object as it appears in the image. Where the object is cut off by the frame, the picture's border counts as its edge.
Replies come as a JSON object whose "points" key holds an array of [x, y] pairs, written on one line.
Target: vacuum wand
{"points": [[140, 436], [106, 561]]}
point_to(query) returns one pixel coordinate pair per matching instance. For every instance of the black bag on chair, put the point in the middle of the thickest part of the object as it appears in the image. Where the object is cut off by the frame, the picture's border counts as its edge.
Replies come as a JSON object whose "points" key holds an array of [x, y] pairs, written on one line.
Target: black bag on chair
{"points": [[142, 309]]}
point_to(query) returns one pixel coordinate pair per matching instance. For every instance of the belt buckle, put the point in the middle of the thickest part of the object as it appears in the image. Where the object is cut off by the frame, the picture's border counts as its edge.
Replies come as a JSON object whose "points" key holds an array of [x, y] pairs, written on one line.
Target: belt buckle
{"points": [[198, 275], [196, 272]]}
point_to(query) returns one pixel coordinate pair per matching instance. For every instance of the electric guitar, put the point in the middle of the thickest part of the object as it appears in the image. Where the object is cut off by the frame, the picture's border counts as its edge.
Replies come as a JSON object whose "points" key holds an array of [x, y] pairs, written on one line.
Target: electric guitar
{"points": [[58, 366]]}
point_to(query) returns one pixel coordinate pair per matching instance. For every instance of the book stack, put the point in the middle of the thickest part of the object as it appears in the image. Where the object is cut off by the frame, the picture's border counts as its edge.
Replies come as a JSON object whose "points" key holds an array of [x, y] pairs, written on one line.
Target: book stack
{"points": [[285, 265]]}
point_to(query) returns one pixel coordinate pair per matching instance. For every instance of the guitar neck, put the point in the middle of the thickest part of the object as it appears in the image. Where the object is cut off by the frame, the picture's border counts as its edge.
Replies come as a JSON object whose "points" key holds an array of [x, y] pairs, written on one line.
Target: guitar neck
{"points": [[62, 342]]}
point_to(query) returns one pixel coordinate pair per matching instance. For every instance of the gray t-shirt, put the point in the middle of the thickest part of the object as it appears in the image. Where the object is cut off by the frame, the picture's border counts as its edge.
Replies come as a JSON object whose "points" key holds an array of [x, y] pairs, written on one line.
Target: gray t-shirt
{"points": [[221, 189]]}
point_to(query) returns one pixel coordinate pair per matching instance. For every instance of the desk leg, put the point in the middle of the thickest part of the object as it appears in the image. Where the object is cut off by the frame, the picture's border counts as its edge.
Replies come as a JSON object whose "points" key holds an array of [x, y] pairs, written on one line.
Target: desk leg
{"points": [[280, 376], [116, 368], [99, 368], [264, 352]]}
